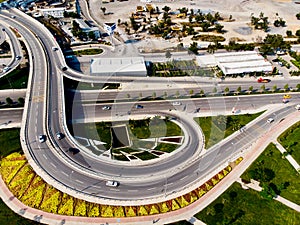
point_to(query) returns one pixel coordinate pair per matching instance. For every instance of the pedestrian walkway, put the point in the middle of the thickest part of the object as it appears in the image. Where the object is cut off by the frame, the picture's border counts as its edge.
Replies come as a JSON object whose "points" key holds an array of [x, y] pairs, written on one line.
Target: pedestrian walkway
{"points": [[255, 186], [291, 160], [195, 221]]}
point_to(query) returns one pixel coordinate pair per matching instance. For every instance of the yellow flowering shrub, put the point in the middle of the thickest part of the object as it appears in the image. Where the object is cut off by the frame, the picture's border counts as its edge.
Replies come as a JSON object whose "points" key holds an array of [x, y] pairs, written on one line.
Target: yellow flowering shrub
{"points": [[153, 210], [92, 209], [10, 168], [107, 211], [130, 211], [142, 211], [51, 203], [80, 208], [175, 205], [119, 211], [67, 208]]}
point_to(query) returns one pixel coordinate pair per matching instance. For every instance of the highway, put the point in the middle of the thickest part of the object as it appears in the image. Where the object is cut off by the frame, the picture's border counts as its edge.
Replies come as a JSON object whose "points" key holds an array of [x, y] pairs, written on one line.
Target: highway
{"points": [[44, 114]]}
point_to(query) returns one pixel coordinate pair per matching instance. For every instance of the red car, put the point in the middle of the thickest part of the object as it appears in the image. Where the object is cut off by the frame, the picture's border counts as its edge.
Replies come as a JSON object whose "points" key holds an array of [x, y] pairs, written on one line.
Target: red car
{"points": [[262, 80]]}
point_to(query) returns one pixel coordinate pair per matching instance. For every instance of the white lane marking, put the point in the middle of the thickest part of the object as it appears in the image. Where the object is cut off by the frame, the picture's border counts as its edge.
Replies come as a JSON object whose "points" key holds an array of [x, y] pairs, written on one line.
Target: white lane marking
{"points": [[111, 189], [53, 165], [64, 173], [151, 188], [133, 190], [79, 181], [44, 156], [183, 178]]}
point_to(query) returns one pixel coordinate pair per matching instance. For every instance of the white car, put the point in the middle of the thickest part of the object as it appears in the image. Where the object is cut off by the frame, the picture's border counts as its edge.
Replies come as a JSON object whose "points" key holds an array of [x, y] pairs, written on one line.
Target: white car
{"points": [[112, 183], [42, 138], [297, 107], [270, 120], [59, 135], [106, 107], [5, 69], [176, 103]]}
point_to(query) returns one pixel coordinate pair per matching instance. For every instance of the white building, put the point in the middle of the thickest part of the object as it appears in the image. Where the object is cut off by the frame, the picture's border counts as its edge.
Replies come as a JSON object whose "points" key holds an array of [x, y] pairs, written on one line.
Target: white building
{"points": [[54, 12], [133, 66], [87, 29], [236, 62]]}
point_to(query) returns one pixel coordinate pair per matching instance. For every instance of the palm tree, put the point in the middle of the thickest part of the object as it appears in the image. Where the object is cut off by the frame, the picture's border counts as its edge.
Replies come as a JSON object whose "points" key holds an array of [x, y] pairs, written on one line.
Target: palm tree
{"points": [[226, 90], [250, 89], [263, 88]]}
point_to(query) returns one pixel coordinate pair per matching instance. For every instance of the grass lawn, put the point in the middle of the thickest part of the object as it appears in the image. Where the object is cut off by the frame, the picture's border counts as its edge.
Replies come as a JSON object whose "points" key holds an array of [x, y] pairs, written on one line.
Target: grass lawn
{"points": [[93, 51], [7, 216], [217, 128], [165, 147], [9, 141], [15, 79], [154, 128], [291, 142], [239, 206], [272, 159]]}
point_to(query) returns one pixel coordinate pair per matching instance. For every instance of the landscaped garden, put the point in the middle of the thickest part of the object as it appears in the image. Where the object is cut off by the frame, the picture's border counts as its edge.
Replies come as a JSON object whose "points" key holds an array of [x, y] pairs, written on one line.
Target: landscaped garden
{"points": [[217, 128], [273, 170], [28, 187], [239, 206], [290, 141]]}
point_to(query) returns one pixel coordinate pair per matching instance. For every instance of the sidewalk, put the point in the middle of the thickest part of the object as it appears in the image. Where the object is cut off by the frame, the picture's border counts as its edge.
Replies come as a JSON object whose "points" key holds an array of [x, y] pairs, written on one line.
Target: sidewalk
{"points": [[291, 160]]}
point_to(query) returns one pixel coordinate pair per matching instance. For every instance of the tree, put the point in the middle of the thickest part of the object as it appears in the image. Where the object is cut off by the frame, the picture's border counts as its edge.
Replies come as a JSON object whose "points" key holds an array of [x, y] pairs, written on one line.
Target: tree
{"points": [[140, 95], [21, 101], [9, 101], [128, 95], [263, 88], [166, 9], [165, 94], [194, 48], [168, 54], [191, 92], [250, 89], [298, 16], [214, 90], [201, 92], [103, 10], [226, 90], [154, 95], [289, 33], [286, 87], [298, 87], [239, 89], [219, 28], [267, 192], [297, 33], [177, 94], [274, 88]]}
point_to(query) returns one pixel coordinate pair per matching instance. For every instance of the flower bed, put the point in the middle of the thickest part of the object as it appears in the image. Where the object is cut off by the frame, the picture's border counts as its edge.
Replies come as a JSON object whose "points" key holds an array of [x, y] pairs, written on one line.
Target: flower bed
{"points": [[34, 192]]}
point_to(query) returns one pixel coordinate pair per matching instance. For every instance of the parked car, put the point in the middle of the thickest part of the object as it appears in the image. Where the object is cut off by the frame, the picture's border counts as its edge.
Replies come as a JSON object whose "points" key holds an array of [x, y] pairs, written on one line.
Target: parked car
{"points": [[270, 120], [18, 57], [106, 107], [42, 138], [112, 183]]}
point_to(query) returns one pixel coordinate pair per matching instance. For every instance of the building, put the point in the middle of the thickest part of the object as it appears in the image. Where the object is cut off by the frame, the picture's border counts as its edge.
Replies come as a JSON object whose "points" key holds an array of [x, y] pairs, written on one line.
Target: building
{"points": [[133, 66], [242, 62], [87, 29], [54, 12]]}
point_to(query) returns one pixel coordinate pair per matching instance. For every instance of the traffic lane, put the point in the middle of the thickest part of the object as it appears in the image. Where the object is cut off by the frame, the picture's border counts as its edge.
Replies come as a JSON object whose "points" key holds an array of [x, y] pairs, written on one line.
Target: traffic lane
{"points": [[167, 163], [12, 115]]}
